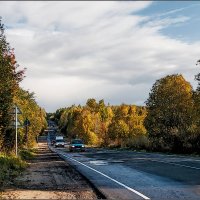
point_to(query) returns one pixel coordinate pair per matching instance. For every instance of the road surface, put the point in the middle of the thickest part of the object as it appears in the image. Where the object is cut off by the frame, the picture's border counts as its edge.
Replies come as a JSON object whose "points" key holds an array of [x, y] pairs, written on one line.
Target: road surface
{"points": [[136, 175]]}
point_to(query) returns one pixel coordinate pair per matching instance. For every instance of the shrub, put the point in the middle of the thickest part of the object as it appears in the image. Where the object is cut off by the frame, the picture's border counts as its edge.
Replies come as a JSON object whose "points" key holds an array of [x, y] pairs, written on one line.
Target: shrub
{"points": [[138, 142]]}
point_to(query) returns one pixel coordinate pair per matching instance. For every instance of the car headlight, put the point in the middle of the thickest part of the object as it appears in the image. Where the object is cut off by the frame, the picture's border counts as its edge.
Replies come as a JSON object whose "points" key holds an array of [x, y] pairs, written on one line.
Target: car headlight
{"points": [[83, 146], [73, 146]]}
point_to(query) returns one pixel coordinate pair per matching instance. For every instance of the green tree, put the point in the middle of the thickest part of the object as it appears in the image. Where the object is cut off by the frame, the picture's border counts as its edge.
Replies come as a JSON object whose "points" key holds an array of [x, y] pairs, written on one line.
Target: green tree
{"points": [[92, 104], [170, 112]]}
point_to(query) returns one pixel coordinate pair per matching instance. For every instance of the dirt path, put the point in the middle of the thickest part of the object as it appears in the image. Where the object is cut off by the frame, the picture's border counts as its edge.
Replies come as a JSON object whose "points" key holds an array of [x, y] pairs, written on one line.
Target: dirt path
{"points": [[49, 177]]}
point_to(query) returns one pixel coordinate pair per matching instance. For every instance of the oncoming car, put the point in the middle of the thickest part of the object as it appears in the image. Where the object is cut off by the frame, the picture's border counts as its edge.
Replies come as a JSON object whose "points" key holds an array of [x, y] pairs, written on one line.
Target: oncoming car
{"points": [[59, 142], [76, 145]]}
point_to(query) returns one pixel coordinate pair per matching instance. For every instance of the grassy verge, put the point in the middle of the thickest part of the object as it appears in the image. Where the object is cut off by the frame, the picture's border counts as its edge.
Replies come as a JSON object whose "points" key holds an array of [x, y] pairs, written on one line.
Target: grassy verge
{"points": [[27, 154], [11, 166]]}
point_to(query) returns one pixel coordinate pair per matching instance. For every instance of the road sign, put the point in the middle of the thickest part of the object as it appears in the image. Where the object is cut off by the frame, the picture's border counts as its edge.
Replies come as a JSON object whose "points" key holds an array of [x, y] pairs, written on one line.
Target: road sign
{"points": [[27, 122], [14, 109], [19, 111], [18, 123], [13, 124]]}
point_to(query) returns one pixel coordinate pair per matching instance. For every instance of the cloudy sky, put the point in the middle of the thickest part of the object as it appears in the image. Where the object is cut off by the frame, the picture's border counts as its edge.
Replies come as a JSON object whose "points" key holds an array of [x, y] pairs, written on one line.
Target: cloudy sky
{"points": [[105, 50]]}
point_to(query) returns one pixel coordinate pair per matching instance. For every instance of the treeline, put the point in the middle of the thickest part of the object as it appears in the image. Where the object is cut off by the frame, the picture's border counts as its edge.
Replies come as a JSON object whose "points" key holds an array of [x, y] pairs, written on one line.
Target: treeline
{"points": [[169, 122], [10, 95], [104, 125]]}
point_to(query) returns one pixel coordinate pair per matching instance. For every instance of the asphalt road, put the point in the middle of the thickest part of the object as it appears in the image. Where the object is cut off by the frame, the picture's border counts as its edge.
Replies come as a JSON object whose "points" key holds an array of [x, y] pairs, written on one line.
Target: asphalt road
{"points": [[136, 175]]}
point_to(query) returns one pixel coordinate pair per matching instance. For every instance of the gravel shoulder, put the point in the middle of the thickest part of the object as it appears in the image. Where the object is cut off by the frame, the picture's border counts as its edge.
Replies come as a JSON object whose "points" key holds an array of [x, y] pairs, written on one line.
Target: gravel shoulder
{"points": [[49, 177]]}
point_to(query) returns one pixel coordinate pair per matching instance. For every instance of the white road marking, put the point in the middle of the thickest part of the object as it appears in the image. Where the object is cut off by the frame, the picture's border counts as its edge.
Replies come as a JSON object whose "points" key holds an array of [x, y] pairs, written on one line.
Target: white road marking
{"points": [[98, 162], [123, 185]]}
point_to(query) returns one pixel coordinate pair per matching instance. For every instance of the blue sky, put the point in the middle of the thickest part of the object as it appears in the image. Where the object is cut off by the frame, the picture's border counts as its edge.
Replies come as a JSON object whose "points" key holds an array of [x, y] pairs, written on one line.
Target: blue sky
{"points": [[187, 31], [105, 50]]}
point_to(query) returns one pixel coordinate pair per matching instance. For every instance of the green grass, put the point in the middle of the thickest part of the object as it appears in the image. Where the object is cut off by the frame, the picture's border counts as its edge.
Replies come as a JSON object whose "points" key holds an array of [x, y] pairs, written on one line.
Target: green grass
{"points": [[10, 167], [27, 154]]}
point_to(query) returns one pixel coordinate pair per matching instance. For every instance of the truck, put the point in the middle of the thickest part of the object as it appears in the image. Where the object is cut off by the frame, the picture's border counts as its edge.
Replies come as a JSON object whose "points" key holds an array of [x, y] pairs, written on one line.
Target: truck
{"points": [[59, 141]]}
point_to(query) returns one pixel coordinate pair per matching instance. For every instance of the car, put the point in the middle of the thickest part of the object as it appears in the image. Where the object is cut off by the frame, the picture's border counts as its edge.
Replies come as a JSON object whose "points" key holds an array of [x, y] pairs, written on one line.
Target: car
{"points": [[76, 145], [59, 141]]}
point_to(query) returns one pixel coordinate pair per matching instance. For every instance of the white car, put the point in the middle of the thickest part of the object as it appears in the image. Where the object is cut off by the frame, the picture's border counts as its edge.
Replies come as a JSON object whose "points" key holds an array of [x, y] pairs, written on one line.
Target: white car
{"points": [[59, 143]]}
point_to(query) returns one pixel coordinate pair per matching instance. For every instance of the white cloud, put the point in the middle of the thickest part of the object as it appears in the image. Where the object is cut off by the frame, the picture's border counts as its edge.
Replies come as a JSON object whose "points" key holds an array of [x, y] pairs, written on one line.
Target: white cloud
{"points": [[173, 11], [162, 23], [77, 50]]}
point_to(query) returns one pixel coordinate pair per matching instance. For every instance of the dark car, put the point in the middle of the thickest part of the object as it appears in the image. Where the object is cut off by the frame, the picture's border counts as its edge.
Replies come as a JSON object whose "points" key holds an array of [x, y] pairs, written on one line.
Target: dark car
{"points": [[76, 145]]}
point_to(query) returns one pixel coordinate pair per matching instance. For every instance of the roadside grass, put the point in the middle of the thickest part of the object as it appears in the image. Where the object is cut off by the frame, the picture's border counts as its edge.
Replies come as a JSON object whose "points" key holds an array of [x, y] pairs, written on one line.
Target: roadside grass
{"points": [[12, 166], [27, 154], [141, 144]]}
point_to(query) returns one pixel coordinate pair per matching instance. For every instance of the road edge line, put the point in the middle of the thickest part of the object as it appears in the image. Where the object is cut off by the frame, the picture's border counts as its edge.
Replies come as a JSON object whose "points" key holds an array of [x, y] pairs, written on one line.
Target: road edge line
{"points": [[125, 186], [96, 190]]}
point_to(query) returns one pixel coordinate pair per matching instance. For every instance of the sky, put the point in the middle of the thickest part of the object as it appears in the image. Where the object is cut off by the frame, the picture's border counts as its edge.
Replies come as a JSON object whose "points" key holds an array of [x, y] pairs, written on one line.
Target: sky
{"points": [[111, 50]]}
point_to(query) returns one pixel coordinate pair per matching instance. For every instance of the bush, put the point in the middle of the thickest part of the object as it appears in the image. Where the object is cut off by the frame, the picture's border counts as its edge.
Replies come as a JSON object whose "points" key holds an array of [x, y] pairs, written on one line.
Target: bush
{"points": [[138, 142]]}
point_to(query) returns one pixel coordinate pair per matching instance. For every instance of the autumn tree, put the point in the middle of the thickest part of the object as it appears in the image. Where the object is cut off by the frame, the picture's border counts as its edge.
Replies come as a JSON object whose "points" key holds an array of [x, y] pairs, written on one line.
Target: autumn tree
{"points": [[11, 94], [127, 125], [170, 113], [10, 77], [73, 127], [31, 111], [118, 131], [100, 125]]}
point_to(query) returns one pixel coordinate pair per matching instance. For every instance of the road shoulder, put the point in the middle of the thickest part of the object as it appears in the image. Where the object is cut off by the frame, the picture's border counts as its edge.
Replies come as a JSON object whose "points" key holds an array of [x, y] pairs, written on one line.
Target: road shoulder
{"points": [[49, 177]]}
